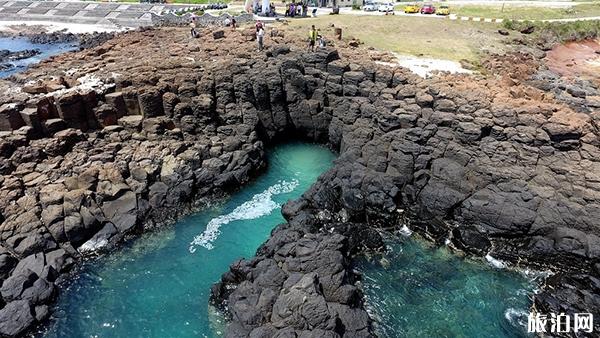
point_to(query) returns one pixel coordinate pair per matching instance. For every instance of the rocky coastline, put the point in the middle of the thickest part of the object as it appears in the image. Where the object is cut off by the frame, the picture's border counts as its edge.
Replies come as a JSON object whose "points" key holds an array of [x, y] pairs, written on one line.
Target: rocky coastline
{"points": [[38, 36], [6, 56], [107, 142]]}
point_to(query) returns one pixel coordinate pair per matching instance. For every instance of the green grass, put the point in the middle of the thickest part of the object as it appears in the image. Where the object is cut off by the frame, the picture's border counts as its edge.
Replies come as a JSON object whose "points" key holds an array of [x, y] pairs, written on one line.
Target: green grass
{"points": [[514, 12], [443, 39], [558, 32]]}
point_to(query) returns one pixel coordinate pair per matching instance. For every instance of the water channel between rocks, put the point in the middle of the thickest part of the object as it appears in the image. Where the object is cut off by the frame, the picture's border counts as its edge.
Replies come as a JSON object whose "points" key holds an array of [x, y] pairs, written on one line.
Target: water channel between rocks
{"points": [[20, 44], [158, 285]]}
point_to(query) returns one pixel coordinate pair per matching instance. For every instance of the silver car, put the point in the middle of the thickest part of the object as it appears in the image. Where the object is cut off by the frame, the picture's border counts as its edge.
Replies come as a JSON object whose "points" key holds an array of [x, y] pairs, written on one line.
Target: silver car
{"points": [[386, 7], [370, 7]]}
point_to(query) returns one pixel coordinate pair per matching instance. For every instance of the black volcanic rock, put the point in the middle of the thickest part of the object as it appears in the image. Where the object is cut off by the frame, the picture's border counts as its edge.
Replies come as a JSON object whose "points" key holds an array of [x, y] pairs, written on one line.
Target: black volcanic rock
{"points": [[451, 157]]}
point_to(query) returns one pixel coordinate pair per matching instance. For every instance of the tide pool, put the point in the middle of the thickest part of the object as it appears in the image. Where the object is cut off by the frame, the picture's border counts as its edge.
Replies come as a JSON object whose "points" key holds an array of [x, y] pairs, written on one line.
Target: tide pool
{"points": [[159, 284], [417, 290]]}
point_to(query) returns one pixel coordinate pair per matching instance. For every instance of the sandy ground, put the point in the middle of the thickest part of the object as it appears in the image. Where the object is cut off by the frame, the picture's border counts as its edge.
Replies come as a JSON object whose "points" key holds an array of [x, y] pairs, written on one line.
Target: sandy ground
{"points": [[48, 26], [425, 67]]}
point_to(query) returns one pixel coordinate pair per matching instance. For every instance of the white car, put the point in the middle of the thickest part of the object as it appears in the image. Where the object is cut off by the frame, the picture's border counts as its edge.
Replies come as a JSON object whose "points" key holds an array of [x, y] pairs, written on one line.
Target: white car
{"points": [[386, 7], [369, 7]]}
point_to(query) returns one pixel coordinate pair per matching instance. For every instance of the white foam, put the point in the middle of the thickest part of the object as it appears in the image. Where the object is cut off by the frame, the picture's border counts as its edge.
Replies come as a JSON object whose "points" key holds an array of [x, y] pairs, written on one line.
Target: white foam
{"points": [[260, 205], [495, 262], [93, 244], [515, 316], [405, 231]]}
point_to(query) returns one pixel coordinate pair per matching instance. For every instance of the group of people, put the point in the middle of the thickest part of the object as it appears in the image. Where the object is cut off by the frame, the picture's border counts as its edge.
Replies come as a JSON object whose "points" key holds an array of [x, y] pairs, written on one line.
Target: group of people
{"points": [[256, 9], [296, 9], [228, 22], [314, 35]]}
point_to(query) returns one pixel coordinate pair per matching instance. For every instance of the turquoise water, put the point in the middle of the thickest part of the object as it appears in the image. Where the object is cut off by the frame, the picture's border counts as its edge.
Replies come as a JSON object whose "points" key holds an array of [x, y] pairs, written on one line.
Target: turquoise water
{"points": [[159, 285], [420, 291], [17, 44]]}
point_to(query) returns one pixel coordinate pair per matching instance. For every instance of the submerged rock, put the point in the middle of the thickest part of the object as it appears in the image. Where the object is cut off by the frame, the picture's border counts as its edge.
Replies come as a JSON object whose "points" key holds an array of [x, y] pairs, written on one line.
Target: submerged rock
{"points": [[7, 55]]}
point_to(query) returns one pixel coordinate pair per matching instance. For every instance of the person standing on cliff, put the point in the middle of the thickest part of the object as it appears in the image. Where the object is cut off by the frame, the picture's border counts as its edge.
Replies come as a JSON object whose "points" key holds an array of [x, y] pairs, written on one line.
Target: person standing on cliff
{"points": [[312, 38], [260, 35], [193, 29]]}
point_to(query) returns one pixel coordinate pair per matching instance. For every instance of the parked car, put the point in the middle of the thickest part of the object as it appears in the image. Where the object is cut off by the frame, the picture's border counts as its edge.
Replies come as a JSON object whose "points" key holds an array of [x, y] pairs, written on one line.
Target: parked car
{"points": [[370, 7], [386, 7], [443, 10], [412, 8], [428, 9]]}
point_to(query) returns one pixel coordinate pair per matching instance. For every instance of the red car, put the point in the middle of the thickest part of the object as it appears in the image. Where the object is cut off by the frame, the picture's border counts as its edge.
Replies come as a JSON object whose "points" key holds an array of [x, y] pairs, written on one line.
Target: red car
{"points": [[428, 9]]}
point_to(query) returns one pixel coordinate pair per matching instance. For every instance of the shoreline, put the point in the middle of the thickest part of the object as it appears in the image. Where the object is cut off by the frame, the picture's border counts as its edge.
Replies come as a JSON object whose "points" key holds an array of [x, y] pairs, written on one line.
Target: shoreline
{"points": [[33, 27]]}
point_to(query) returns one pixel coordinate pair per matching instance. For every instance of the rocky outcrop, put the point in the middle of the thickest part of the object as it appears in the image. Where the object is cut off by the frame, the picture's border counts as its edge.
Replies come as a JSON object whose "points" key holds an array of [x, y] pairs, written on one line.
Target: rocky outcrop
{"points": [[451, 157], [7, 56]]}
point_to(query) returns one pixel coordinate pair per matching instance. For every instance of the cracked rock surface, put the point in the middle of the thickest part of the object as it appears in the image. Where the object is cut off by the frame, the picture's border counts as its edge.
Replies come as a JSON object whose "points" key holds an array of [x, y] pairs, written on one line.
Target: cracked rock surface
{"points": [[105, 143]]}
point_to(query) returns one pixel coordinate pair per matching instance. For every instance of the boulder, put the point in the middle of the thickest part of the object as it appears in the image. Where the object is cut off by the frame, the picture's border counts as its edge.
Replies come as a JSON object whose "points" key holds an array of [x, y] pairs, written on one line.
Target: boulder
{"points": [[71, 109], [150, 102], [122, 212], [106, 115], [31, 118], [117, 102], [52, 126], [15, 318], [133, 122], [10, 118], [14, 286], [220, 34]]}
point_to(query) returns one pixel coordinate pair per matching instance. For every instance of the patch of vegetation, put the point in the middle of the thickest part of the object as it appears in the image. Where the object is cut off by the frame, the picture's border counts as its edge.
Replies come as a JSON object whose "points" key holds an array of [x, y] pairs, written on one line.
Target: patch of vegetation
{"points": [[557, 32], [441, 39], [514, 12]]}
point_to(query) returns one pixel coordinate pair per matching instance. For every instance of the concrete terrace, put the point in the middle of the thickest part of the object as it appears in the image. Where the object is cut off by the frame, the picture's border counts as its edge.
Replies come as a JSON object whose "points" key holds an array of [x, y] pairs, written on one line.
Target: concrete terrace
{"points": [[120, 14]]}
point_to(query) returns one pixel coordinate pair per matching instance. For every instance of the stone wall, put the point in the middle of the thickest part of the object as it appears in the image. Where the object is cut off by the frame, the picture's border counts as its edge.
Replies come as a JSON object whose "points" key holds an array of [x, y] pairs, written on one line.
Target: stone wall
{"points": [[205, 19]]}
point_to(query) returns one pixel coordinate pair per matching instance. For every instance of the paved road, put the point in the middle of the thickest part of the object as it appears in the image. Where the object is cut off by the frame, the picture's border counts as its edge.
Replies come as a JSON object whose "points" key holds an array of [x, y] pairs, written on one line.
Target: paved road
{"points": [[524, 3]]}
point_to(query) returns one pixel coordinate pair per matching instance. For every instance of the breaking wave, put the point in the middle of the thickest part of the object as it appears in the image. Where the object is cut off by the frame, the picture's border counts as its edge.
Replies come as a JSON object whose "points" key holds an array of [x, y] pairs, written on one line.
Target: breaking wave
{"points": [[516, 317], [260, 205], [496, 263]]}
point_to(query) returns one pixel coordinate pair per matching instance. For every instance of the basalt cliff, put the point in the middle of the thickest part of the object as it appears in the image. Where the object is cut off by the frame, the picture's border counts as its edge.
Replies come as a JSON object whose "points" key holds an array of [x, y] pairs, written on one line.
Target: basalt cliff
{"points": [[102, 144]]}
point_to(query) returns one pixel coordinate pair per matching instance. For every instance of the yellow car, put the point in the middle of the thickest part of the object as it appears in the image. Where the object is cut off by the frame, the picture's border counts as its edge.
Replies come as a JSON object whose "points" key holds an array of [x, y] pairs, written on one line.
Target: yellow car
{"points": [[443, 10], [412, 8]]}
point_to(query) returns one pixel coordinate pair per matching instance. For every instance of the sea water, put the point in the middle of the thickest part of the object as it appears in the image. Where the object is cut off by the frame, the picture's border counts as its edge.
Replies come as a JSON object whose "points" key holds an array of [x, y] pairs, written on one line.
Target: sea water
{"points": [[158, 285], [18, 44], [419, 290]]}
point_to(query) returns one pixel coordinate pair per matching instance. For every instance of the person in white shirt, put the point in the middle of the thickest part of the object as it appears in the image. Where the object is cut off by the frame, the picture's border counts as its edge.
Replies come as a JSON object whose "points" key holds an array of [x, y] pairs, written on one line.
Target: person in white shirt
{"points": [[260, 34]]}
